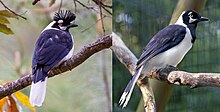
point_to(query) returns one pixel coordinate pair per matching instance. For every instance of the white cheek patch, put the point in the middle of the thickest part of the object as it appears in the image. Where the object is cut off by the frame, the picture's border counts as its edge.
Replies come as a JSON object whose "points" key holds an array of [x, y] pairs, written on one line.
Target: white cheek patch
{"points": [[63, 27], [191, 20]]}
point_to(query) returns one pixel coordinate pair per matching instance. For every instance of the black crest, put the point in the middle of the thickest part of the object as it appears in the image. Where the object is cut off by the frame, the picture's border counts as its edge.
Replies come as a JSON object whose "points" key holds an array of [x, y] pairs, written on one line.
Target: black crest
{"points": [[64, 15]]}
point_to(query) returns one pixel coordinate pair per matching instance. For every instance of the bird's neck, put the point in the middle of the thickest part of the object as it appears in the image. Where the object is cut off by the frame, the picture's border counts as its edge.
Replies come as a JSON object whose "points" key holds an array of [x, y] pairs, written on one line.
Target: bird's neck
{"points": [[192, 28]]}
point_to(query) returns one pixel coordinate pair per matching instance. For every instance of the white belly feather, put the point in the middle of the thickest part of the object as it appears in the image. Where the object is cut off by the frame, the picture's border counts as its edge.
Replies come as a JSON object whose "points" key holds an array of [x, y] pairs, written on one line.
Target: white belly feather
{"points": [[172, 56]]}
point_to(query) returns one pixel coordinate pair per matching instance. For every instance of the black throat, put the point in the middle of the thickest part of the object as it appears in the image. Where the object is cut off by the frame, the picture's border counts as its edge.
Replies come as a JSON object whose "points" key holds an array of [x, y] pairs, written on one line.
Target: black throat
{"points": [[192, 28]]}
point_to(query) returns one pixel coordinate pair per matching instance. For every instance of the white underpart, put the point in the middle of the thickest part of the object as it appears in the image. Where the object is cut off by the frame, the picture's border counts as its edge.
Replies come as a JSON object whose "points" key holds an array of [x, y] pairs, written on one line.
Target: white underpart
{"points": [[38, 92], [70, 54], [127, 95], [174, 55]]}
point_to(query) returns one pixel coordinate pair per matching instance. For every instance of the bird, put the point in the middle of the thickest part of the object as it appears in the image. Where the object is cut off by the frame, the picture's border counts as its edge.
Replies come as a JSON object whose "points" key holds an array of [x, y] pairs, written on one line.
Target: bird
{"points": [[54, 45], [167, 48]]}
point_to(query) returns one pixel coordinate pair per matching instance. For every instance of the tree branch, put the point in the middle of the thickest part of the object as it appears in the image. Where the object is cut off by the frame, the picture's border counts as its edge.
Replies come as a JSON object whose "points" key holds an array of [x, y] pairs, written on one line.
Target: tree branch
{"points": [[101, 4], [35, 1], [173, 76], [77, 59], [127, 58]]}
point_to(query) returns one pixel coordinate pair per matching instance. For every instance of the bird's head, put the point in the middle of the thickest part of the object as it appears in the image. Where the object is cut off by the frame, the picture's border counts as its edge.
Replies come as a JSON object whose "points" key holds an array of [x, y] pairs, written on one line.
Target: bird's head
{"points": [[64, 19], [191, 17]]}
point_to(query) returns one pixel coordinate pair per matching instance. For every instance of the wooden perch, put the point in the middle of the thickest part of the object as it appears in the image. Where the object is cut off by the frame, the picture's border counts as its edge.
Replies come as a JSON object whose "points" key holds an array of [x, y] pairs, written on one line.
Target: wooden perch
{"points": [[77, 59], [173, 76], [126, 57]]}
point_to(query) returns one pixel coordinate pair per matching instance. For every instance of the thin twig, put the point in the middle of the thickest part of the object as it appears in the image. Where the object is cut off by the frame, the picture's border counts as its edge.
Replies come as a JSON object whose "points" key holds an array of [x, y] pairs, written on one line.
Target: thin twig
{"points": [[13, 11], [74, 1], [93, 24], [103, 27], [91, 8], [100, 3], [61, 3], [85, 5], [35, 1]]}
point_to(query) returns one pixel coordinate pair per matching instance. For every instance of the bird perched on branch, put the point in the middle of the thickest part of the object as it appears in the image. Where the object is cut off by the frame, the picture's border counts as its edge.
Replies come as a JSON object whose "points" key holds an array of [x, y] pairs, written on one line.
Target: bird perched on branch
{"points": [[54, 46], [167, 47]]}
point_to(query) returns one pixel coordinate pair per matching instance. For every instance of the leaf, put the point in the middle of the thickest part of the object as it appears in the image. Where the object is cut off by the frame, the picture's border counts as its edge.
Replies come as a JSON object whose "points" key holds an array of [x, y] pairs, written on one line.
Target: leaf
{"points": [[11, 104], [8, 14], [4, 29], [4, 20], [2, 103], [52, 2], [6, 83], [24, 100]]}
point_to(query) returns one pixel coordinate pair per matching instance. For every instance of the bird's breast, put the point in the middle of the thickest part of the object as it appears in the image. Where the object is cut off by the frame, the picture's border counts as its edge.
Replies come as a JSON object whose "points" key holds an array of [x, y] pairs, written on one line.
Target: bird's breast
{"points": [[174, 55], [70, 54]]}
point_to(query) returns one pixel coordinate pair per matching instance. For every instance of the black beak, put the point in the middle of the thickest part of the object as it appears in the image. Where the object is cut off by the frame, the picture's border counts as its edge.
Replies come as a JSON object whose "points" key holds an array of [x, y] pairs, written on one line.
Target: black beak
{"points": [[203, 19], [72, 25]]}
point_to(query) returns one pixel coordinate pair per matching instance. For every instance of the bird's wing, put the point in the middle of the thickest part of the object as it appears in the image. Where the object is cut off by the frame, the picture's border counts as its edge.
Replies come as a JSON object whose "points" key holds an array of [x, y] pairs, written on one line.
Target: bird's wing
{"points": [[51, 47], [165, 39]]}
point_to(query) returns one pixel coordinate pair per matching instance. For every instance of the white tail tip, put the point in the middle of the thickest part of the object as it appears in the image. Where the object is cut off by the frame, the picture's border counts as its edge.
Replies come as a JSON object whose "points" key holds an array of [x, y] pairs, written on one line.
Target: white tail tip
{"points": [[38, 92], [124, 99]]}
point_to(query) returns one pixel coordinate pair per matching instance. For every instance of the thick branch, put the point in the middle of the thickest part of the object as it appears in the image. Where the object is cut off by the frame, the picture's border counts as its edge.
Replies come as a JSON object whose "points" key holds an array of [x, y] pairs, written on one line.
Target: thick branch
{"points": [[127, 58], [77, 59], [172, 76]]}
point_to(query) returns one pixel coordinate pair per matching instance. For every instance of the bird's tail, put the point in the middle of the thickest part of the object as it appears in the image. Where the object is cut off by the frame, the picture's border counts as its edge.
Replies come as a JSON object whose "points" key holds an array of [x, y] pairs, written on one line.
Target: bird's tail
{"points": [[129, 89], [38, 88]]}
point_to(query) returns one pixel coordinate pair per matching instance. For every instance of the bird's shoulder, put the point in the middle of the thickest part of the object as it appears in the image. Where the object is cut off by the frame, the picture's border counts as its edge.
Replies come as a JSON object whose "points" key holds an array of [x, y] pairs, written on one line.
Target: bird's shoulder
{"points": [[165, 39], [52, 45], [169, 34], [52, 37]]}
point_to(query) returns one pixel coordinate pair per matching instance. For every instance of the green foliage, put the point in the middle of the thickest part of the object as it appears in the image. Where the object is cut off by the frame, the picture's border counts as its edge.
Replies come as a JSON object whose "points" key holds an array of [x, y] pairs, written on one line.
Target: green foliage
{"points": [[8, 14], [4, 20], [4, 29], [4, 15]]}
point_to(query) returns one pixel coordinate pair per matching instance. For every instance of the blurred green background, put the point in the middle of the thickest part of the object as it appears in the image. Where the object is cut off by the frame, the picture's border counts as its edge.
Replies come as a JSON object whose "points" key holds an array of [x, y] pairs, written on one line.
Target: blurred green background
{"points": [[137, 21], [87, 88]]}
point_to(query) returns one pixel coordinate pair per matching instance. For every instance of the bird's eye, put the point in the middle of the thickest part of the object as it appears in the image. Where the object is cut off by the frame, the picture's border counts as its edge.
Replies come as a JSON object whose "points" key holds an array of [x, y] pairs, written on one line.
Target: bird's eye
{"points": [[191, 16], [60, 24]]}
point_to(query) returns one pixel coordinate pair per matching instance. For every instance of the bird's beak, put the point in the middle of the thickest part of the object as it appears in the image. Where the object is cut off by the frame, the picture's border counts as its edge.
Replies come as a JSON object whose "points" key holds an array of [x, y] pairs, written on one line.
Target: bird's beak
{"points": [[72, 25], [203, 19]]}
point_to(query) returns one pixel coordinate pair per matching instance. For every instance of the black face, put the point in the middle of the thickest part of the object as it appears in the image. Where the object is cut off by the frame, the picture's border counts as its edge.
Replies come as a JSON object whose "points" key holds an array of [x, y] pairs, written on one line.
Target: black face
{"points": [[63, 20], [192, 17]]}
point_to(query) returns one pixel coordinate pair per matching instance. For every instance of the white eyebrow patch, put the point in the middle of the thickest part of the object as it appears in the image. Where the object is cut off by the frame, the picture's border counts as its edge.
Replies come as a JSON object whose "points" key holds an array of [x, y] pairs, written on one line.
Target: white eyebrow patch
{"points": [[189, 13], [60, 21]]}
